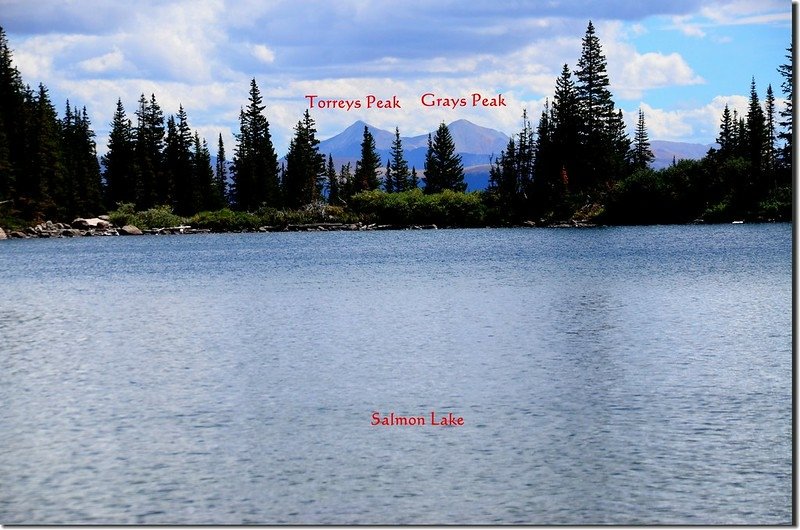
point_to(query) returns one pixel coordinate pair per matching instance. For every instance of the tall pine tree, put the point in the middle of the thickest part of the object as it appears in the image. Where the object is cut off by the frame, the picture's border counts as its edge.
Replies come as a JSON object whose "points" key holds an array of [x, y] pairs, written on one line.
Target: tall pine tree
{"points": [[305, 166], [601, 146], [443, 169], [119, 161], [366, 175], [221, 174], [641, 154], [787, 87], [13, 118], [399, 165], [151, 186], [255, 163], [334, 187]]}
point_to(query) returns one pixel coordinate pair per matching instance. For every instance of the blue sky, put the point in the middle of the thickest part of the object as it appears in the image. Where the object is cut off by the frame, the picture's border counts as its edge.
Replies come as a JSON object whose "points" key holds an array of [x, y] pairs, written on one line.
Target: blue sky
{"points": [[680, 61]]}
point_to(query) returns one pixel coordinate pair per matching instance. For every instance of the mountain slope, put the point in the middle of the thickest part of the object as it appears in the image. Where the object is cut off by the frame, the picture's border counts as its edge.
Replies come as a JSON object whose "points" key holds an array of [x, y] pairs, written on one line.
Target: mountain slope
{"points": [[477, 145]]}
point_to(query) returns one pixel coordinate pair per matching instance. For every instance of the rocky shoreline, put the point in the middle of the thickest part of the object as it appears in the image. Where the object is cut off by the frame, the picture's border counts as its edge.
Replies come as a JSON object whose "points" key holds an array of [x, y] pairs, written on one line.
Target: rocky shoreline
{"points": [[102, 226]]}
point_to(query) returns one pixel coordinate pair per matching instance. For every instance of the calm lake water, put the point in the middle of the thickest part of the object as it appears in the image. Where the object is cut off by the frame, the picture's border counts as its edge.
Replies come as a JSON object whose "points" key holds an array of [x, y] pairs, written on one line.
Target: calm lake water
{"points": [[612, 375]]}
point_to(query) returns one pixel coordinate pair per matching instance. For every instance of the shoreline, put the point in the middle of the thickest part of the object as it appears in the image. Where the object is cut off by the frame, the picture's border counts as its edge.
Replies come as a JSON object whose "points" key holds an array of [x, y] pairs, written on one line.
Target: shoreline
{"points": [[92, 228]]}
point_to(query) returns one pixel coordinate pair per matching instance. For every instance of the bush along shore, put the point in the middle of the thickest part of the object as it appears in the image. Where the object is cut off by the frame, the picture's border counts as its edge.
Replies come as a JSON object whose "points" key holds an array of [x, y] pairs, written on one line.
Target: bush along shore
{"points": [[369, 210]]}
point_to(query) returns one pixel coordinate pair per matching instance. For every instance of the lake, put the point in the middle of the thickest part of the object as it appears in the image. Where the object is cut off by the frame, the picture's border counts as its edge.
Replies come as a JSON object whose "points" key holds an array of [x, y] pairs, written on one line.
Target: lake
{"points": [[627, 375]]}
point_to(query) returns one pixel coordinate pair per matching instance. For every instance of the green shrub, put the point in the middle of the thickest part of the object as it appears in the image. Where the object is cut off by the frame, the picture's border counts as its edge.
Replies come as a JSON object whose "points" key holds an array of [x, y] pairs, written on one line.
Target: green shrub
{"points": [[157, 217], [125, 214], [448, 208], [225, 220]]}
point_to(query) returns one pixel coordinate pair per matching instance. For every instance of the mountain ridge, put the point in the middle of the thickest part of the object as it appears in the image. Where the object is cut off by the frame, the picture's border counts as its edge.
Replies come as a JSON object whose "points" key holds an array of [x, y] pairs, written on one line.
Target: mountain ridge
{"points": [[477, 145]]}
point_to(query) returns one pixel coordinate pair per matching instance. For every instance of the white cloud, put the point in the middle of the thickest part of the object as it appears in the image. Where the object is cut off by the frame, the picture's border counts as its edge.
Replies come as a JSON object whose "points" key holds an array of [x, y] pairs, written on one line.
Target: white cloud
{"points": [[108, 62], [631, 72], [262, 53], [697, 124], [202, 54], [653, 70]]}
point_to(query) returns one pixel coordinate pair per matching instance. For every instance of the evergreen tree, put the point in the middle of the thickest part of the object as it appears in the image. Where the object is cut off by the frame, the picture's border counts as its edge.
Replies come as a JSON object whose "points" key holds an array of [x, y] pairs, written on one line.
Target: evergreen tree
{"points": [[756, 136], [565, 128], [179, 180], [204, 196], [388, 181], [503, 178], [600, 141], [414, 181], [399, 164], [333, 183], [770, 153], [366, 174], [14, 115], [641, 155], [347, 182], [305, 166], [787, 87], [443, 170], [726, 133], [119, 161], [550, 181], [82, 193], [429, 161], [512, 174], [151, 187], [255, 163], [619, 145], [221, 175], [44, 183]]}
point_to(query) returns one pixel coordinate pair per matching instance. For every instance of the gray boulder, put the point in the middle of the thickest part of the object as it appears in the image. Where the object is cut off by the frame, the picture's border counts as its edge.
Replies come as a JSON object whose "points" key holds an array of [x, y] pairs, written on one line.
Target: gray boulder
{"points": [[94, 223], [129, 230]]}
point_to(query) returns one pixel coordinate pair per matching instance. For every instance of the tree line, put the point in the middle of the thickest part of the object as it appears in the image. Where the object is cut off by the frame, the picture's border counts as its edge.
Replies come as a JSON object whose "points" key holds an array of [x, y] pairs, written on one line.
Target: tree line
{"points": [[577, 161]]}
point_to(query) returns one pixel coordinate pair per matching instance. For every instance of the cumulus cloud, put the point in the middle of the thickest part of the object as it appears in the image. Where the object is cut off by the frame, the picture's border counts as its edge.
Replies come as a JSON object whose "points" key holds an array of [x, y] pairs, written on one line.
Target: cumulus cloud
{"points": [[113, 60], [203, 53], [262, 53]]}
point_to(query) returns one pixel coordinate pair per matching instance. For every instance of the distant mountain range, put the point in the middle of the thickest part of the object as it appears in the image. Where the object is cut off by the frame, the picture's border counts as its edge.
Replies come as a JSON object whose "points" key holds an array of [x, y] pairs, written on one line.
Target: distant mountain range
{"points": [[477, 145]]}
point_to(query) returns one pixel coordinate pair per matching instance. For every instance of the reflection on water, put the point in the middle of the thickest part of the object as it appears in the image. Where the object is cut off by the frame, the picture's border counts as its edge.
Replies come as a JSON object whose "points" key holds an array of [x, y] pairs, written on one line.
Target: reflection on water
{"points": [[625, 376]]}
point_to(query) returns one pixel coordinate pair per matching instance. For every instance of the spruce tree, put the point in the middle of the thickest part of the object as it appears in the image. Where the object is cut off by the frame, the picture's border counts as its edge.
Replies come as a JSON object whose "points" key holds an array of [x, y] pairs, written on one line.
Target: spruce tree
{"points": [[443, 170], [151, 188], [726, 133], [333, 183], [183, 180], [43, 184], [503, 177], [305, 166], [770, 153], [399, 164], [366, 175], [549, 184], [204, 196], [756, 134], [565, 126], [221, 175], [83, 194], [14, 115], [641, 155], [388, 180], [119, 169], [598, 133], [413, 183], [786, 71], [255, 163], [618, 147], [347, 183]]}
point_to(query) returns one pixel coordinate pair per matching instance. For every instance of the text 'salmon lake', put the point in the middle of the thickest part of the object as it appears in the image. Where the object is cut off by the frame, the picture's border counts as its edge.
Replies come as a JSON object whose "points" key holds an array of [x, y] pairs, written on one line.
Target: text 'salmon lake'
{"points": [[396, 420]]}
